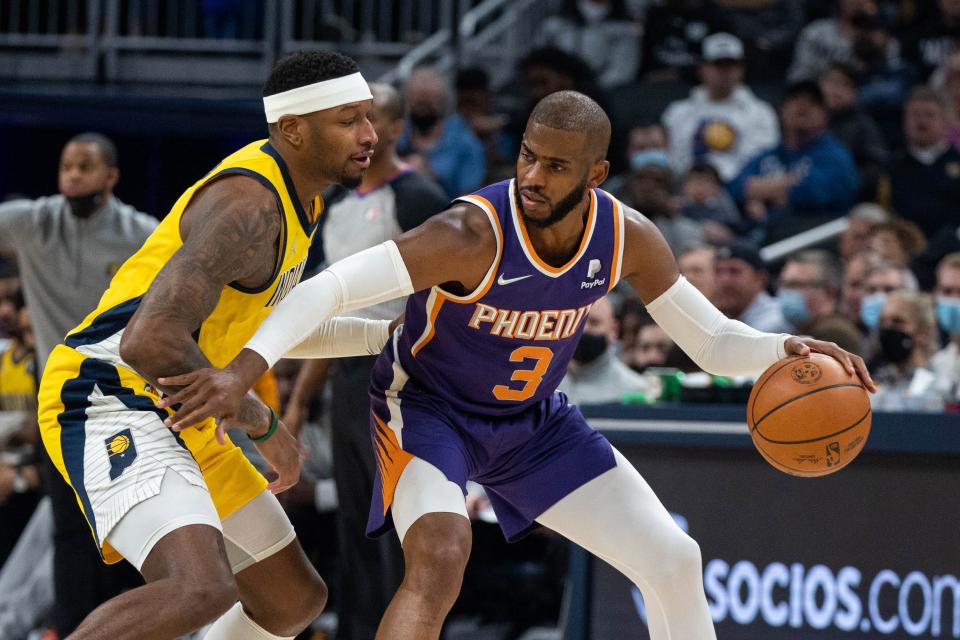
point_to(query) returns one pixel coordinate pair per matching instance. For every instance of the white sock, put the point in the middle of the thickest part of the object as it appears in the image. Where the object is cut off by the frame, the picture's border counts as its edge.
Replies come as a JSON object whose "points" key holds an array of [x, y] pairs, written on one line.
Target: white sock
{"points": [[237, 625]]}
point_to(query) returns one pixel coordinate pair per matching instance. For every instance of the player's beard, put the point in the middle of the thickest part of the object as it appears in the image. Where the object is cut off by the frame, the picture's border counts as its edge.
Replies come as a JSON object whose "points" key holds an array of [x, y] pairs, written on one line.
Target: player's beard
{"points": [[349, 181], [560, 211]]}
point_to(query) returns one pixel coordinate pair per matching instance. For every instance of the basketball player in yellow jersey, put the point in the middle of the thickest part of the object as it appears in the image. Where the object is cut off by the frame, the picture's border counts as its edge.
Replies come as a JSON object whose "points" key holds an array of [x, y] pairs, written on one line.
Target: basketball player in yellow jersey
{"points": [[189, 511]]}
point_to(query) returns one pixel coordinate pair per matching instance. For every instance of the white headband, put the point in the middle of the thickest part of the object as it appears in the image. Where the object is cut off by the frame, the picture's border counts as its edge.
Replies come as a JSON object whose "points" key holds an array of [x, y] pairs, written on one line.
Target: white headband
{"points": [[317, 97]]}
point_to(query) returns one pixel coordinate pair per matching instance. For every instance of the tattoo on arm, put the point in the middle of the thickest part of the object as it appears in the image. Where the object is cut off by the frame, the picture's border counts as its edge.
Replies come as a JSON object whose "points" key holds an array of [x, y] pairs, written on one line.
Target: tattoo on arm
{"points": [[232, 236]]}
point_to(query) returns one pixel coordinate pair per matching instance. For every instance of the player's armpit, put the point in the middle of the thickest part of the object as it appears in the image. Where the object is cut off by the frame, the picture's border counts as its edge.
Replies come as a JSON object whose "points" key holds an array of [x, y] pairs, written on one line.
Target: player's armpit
{"points": [[648, 263], [455, 248], [230, 234]]}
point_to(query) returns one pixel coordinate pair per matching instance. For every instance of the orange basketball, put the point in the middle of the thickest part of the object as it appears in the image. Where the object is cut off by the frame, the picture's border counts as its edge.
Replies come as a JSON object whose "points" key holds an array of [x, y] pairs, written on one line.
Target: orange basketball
{"points": [[808, 416]]}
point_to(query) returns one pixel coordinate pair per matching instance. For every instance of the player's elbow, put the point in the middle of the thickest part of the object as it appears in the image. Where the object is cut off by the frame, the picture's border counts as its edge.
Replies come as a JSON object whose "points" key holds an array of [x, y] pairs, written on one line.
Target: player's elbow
{"points": [[138, 351]]}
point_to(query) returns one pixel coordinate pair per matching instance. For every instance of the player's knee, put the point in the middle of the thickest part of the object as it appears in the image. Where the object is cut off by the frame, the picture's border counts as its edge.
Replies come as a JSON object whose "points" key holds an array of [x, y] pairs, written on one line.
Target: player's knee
{"points": [[297, 611], [207, 599], [436, 559], [680, 558]]}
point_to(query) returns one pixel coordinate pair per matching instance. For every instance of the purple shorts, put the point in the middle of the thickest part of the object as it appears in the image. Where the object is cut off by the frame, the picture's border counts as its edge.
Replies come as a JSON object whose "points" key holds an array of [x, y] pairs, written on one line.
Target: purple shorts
{"points": [[526, 462]]}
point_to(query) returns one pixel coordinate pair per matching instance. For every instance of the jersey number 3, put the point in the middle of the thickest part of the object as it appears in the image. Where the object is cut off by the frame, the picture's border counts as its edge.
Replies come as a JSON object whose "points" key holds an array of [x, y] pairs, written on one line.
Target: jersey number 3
{"points": [[530, 377]]}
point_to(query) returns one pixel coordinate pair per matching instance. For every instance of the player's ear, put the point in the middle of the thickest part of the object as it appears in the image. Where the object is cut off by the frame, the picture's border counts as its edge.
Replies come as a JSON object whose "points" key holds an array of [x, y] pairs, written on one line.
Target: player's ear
{"points": [[113, 177], [291, 128], [598, 173]]}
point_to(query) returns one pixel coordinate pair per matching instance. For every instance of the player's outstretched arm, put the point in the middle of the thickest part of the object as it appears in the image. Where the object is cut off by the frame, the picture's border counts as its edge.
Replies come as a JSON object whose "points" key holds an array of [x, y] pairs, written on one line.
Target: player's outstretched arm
{"points": [[230, 233], [455, 249], [716, 343]]}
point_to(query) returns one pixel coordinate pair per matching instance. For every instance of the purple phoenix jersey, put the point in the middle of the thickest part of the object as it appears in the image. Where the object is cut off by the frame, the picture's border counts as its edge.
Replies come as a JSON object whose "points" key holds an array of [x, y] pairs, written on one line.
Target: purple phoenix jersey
{"points": [[468, 383], [506, 346]]}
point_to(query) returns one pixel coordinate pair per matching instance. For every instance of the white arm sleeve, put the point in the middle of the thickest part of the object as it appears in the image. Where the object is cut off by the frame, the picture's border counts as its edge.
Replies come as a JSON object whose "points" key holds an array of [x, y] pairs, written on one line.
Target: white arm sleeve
{"points": [[366, 278], [343, 337], [717, 344]]}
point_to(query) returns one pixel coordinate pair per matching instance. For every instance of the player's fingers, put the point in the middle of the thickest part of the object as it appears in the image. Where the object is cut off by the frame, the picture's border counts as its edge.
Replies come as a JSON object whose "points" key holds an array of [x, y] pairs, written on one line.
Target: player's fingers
{"points": [[187, 416], [221, 433], [864, 374], [181, 379], [180, 397]]}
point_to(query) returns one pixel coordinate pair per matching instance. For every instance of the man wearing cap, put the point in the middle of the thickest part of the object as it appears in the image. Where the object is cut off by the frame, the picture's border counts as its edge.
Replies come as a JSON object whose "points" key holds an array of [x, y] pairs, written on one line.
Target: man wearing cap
{"points": [[722, 122], [188, 510], [742, 280]]}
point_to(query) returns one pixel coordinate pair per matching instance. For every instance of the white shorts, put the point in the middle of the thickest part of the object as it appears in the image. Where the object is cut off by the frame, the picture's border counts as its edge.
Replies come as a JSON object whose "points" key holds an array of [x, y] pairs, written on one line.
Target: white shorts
{"points": [[254, 532]]}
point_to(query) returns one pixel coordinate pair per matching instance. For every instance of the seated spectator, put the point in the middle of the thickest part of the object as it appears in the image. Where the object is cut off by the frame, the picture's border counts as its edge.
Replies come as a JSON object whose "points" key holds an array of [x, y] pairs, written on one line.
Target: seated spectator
{"points": [[742, 281], [854, 128], [698, 265], [826, 41], [907, 341], [896, 241], [769, 29], [475, 105], [631, 316], [925, 177], [673, 38], [946, 362], [438, 143], [883, 76], [704, 200], [882, 280], [650, 349], [602, 32], [854, 286], [650, 191], [809, 288], [934, 40], [640, 141], [809, 177], [862, 218], [722, 122], [596, 375], [839, 330]]}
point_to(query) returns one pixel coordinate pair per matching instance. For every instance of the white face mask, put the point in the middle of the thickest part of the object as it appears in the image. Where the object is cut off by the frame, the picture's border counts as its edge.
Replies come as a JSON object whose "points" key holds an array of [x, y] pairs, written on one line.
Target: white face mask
{"points": [[593, 12]]}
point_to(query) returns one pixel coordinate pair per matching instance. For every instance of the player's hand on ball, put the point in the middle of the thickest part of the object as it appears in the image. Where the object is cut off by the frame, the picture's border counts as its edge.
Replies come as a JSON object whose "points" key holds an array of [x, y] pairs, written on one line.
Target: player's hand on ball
{"points": [[853, 363], [206, 393], [285, 455]]}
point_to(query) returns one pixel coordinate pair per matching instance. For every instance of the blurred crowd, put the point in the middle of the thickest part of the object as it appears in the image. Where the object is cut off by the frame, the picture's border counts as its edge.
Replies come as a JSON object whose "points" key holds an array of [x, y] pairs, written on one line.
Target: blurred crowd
{"points": [[799, 156]]}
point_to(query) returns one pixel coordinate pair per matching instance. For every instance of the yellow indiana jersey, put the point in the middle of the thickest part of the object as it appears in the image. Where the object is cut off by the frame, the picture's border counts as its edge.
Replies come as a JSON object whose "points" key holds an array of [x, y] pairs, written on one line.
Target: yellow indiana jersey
{"points": [[240, 310], [18, 381]]}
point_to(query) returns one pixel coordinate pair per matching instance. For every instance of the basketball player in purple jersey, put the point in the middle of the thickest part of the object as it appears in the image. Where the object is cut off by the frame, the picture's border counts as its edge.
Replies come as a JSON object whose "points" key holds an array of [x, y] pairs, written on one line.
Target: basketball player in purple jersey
{"points": [[466, 387]]}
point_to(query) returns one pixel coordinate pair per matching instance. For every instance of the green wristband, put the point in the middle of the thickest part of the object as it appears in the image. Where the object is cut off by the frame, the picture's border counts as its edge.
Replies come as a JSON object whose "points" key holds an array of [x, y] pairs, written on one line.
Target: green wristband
{"points": [[274, 421]]}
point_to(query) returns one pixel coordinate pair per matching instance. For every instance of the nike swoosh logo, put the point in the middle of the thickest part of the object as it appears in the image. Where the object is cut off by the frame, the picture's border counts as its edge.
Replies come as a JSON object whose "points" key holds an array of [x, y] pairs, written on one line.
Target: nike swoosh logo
{"points": [[505, 281]]}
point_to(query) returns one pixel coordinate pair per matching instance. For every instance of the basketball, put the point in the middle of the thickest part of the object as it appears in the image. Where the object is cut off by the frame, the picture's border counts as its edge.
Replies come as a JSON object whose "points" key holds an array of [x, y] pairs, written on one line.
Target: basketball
{"points": [[807, 416]]}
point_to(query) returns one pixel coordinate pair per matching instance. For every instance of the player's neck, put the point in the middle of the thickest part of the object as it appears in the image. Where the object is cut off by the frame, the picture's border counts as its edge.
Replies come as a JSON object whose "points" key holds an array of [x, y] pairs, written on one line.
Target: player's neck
{"points": [[558, 243]]}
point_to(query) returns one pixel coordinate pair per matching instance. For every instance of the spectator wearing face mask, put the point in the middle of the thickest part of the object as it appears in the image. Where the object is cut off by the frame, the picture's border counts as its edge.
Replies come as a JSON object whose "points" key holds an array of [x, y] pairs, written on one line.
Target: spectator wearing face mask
{"points": [[854, 286], [907, 340], [439, 143], [742, 280], [882, 280], [896, 241], [596, 375], [722, 122], [946, 362], [809, 287]]}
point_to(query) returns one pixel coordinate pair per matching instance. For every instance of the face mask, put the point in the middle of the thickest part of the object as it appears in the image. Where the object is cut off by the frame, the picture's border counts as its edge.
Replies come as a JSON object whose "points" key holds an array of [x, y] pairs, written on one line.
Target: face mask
{"points": [[590, 347], [84, 206], [424, 122], [648, 157], [870, 308], [895, 346], [793, 305], [948, 314]]}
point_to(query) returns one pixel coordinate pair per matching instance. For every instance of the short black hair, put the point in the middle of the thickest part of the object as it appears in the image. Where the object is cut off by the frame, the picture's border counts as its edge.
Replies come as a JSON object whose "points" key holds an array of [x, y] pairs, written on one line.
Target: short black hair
{"points": [[391, 97], [705, 169], [557, 60], [472, 78], [804, 89], [574, 111], [307, 67], [108, 150]]}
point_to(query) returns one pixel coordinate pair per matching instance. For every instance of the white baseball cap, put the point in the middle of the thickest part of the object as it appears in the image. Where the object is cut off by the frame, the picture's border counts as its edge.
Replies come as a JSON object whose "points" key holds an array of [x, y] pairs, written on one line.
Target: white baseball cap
{"points": [[722, 46]]}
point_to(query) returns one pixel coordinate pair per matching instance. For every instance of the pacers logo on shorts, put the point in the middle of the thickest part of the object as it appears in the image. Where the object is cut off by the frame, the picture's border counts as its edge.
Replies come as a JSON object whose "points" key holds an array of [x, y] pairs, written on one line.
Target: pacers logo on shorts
{"points": [[121, 452]]}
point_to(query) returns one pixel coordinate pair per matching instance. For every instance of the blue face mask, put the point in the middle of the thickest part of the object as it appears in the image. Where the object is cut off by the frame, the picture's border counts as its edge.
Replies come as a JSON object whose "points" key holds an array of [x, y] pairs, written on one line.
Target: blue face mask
{"points": [[650, 157], [870, 309], [948, 315], [793, 305]]}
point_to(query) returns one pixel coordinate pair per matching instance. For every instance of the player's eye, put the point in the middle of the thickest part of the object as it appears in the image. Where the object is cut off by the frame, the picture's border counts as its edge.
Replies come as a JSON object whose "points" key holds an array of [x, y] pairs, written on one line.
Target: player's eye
{"points": [[557, 167]]}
